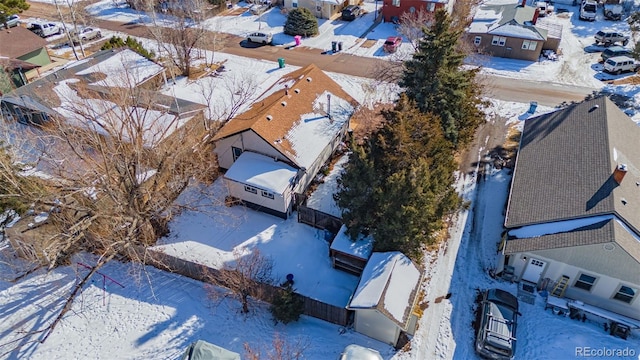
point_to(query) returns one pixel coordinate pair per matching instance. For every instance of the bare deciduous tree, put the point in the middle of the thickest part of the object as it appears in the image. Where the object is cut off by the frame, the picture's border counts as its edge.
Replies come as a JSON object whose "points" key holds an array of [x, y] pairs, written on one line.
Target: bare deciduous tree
{"points": [[279, 349], [117, 159], [245, 275], [412, 23]]}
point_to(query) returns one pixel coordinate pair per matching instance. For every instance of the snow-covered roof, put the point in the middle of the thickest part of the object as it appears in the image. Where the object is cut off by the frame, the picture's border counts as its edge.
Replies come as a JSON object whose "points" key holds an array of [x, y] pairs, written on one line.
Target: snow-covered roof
{"points": [[361, 247], [262, 172], [293, 115], [125, 68], [388, 283], [510, 20], [519, 31]]}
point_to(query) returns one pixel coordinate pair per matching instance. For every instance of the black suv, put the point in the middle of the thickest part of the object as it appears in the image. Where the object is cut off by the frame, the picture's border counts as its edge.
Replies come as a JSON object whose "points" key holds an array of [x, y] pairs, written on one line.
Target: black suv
{"points": [[497, 326], [351, 12]]}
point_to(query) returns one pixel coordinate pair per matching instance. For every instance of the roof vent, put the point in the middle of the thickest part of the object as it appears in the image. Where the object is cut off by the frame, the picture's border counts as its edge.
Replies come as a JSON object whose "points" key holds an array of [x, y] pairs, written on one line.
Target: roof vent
{"points": [[594, 108], [297, 91], [284, 103], [624, 201], [269, 117], [309, 79]]}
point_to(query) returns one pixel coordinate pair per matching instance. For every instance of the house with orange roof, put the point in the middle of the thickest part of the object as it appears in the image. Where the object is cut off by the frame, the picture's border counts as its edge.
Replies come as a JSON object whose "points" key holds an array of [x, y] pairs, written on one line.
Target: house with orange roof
{"points": [[275, 149]]}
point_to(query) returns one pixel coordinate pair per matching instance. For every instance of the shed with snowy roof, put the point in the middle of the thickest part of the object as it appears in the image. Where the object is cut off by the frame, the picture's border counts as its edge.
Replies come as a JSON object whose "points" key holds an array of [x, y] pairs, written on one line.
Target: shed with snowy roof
{"points": [[513, 31], [386, 297], [275, 149], [348, 254]]}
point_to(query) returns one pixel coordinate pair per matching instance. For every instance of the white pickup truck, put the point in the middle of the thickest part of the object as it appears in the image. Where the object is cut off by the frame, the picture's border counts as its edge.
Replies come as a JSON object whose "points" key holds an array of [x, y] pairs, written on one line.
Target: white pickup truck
{"points": [[45, 29], [588, 10]]}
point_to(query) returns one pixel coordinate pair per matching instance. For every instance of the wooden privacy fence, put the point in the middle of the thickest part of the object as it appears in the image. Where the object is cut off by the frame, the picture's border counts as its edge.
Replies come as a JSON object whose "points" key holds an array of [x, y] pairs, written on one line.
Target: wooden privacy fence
{"points": [[319, 219], [263, 292]]}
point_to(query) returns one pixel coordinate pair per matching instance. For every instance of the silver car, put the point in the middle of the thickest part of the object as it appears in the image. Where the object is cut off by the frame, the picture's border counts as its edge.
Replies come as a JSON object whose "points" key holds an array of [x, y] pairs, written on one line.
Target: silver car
{"points": [[258, 37], [86, 34], [12, 21]]}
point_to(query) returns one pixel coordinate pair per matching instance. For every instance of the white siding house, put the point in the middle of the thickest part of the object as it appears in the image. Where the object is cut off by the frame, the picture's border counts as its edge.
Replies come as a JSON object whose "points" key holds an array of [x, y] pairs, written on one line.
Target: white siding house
{"points": [[299, 122], [574, 207], [385, 297]]}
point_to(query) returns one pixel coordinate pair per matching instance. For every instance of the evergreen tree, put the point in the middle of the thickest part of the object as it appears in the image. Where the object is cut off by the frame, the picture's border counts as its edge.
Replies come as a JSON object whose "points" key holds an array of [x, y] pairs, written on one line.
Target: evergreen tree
{"points": [[301, 21], [398, 185], [11, 7], [133, 44], [287, 306], [436, 81]]}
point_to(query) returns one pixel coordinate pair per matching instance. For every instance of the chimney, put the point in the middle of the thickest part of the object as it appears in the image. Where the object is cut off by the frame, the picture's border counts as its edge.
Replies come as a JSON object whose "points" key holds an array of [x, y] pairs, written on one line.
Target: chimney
{"points": [[535, 16], [524, 3], [619, 173], [286, 89]]}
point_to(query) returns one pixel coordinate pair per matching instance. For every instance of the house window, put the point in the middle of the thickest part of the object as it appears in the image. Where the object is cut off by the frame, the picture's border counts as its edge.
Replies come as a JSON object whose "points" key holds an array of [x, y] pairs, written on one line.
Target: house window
{"points": [[477, 40], [267, 194], [250, 189], [499, 40], [585, 282], [529, 45], [294, 3], [395, 3], [431, 7], [625, 294], [318, 8], [236, 152]]}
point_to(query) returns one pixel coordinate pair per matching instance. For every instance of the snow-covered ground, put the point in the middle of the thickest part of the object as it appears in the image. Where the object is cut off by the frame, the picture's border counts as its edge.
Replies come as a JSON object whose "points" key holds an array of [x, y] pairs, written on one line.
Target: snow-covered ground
{"points": [[156, 315]]}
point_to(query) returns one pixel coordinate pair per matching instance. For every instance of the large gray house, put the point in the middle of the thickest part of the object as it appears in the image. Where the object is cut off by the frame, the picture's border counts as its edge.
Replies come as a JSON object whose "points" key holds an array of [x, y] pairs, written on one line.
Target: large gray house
{"points": [[574, 207]]}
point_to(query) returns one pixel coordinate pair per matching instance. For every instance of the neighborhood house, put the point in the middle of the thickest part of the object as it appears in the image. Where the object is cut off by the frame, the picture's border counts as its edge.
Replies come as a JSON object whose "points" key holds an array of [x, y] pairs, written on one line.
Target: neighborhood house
{"points": [[392, 10], [322, 9], [23, 56], [573, 216], [275, 149], [513, 31]]}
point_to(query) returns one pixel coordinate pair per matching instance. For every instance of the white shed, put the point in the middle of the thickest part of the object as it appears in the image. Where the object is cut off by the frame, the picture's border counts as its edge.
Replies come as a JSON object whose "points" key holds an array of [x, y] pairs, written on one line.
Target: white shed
{"points": [[385, 297]]}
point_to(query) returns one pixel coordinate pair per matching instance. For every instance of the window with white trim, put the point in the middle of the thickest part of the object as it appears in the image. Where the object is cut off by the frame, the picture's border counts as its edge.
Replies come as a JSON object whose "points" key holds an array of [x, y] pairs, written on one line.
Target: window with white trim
{"points": [[585, 282], [529, 45], [431, 7], [499, 40], [294, 3], [477, 40], [250, 189], [625, 294], [267, 194], [395, 3]]}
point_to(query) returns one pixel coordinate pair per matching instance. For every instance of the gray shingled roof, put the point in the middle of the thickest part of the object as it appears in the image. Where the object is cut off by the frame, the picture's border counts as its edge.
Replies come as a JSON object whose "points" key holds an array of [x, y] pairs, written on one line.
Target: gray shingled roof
{"points": [[564, 170], [565, 164]]}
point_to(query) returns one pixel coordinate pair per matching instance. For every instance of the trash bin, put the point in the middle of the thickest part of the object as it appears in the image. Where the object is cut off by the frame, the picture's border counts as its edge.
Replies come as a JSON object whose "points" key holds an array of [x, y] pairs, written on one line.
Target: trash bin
{"points": [[298, 39], [281, 63], [334, 46], [532, 107], [340, 46]]}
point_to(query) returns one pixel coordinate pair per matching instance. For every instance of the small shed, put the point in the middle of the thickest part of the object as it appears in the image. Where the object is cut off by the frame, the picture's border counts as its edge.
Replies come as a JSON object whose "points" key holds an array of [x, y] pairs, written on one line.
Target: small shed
{"points": [[385, 297], [350, 255], [202, 350]]}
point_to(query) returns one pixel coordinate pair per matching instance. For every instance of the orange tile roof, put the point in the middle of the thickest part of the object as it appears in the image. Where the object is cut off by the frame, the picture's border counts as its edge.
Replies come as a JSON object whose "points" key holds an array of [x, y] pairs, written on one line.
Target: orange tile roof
{"points": [[305, 85]]}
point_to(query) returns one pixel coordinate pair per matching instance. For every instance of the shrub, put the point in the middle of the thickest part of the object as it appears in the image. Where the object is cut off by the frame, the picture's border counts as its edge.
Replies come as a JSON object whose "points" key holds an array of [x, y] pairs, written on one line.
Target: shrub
{"points": [[133, 44], [301, 22], [287, 306]]}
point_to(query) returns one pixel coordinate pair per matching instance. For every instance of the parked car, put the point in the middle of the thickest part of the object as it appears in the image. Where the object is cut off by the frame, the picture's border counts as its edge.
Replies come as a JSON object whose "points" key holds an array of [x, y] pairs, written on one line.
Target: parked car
{"points": [[620, 64], [392, 44], [614, 51], [496, 338], [607, 38], [357, 352], [612, 10], [258, 37], [12, 21], [351, 12], [85, 34], [258, 9], [45, 29], [588, 10]]}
